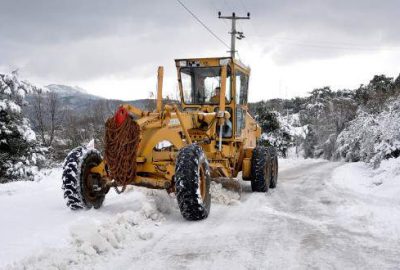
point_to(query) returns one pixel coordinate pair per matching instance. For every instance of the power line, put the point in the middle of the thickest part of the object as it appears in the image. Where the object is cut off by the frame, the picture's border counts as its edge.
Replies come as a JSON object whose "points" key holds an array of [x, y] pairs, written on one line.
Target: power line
{"points": [[203, 24]]}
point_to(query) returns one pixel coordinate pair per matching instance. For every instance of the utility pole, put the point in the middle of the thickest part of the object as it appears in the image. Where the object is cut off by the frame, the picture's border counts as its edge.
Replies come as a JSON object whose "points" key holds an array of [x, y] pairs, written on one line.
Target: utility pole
{"points": [[234, 34]]}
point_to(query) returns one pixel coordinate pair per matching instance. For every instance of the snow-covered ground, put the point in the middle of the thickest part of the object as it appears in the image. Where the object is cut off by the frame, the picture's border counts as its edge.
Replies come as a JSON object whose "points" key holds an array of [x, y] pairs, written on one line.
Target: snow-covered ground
{"points": [[322, 215]]}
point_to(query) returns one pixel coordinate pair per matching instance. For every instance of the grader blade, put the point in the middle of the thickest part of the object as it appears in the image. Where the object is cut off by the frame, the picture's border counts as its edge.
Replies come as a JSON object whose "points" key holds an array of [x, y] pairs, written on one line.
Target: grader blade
{"points": [[230, 184]]}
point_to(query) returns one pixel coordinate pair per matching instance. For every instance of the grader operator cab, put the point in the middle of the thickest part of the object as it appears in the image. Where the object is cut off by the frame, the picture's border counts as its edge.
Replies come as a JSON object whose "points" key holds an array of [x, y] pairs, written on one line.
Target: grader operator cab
{"points": [[211, 138]]}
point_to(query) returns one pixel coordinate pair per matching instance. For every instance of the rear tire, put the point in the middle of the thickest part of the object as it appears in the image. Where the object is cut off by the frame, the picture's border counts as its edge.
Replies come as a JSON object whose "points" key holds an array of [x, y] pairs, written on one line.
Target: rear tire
{"points": [[78, 193], [274, 167], [192, 183], [261, 169]]}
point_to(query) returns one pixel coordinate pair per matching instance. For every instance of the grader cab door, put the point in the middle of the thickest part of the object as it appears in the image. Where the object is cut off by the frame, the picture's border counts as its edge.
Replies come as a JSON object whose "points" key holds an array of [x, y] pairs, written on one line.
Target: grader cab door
{"points": [[241, 93]]}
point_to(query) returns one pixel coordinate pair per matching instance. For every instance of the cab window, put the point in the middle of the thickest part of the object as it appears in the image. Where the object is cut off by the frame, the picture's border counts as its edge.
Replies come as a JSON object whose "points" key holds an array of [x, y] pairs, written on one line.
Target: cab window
{"points": [[242, 84], [201, 85]]}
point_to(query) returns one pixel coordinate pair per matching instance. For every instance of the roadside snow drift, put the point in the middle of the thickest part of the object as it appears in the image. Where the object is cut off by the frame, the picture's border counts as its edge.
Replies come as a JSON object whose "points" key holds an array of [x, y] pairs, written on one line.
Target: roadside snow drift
{"points": [[383, 182]]}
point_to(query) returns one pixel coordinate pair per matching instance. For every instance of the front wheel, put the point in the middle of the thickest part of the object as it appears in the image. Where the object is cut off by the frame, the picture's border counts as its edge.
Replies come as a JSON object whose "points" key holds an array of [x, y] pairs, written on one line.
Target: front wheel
{"points": [[82, 189], [192, 183]]}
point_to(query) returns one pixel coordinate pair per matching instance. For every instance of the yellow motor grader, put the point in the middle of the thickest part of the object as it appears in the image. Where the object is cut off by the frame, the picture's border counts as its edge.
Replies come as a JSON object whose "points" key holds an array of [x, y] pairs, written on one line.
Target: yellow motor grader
{"points": [[182, 147]]}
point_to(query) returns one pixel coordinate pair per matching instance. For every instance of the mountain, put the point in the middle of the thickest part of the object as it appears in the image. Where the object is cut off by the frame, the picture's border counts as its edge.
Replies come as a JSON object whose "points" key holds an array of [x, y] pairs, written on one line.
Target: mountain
{"points": [[66, 89], [73, 97], [78, 100]]}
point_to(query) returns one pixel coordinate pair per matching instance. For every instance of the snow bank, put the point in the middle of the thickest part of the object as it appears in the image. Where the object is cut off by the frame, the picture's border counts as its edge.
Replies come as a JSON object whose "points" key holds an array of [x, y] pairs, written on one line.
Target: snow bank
{"points": [[39, 232], [164, 203], [92, 242], [380, 188], [93, 238], [362, 178]]}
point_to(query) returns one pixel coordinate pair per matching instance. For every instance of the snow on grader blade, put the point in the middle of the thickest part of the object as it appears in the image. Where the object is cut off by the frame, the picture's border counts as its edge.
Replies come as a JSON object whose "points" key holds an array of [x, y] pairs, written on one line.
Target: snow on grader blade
{"points": [[211, 137]]}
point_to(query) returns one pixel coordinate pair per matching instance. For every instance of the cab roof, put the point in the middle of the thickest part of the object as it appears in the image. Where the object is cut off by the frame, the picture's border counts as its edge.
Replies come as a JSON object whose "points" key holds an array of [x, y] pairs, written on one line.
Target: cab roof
{"points": [[209, 62]]}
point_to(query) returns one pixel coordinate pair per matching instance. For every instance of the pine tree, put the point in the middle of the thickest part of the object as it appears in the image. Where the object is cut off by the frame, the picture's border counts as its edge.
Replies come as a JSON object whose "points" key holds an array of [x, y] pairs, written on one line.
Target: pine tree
{"points": [[20, 154]]}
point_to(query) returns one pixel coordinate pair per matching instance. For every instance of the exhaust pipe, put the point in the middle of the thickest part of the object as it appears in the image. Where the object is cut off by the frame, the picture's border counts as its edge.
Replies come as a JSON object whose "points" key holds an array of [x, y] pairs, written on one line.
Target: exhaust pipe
{"points": [[160, 78]]}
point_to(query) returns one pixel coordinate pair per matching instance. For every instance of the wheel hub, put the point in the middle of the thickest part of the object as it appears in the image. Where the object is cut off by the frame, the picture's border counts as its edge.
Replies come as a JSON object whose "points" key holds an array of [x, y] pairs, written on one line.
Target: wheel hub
{"points": [[92, 183]]}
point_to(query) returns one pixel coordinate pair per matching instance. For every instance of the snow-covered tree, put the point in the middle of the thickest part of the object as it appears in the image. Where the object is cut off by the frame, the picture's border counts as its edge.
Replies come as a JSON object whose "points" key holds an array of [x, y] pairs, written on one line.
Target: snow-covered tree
{"points": [[282, 132], [373, 96], [273, 133], [372, 137], [20, 154], [326, 113]]}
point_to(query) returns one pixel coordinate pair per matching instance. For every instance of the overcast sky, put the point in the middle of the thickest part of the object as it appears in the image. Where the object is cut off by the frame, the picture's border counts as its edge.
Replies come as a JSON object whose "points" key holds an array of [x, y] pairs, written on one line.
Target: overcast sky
{"points": [[113, 48]]}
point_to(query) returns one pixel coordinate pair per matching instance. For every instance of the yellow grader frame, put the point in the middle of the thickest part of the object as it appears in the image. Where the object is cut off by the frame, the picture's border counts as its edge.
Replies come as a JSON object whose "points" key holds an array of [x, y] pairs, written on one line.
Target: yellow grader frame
{"points": [[166, 134]]}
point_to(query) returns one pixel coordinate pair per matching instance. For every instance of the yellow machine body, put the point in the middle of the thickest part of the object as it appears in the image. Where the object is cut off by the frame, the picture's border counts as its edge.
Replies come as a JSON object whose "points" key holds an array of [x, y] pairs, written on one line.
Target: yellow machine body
{"points": [[170, 127]]}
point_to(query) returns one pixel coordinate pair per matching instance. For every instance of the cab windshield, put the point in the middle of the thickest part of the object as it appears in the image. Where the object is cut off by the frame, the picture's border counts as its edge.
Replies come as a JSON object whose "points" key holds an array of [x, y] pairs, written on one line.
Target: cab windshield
{"points": [[201, 85]]}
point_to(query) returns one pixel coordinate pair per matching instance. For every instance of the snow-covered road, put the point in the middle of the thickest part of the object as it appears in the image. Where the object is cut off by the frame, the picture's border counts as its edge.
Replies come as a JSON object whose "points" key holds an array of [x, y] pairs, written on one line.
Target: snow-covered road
{"points": [[311, 221]]}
